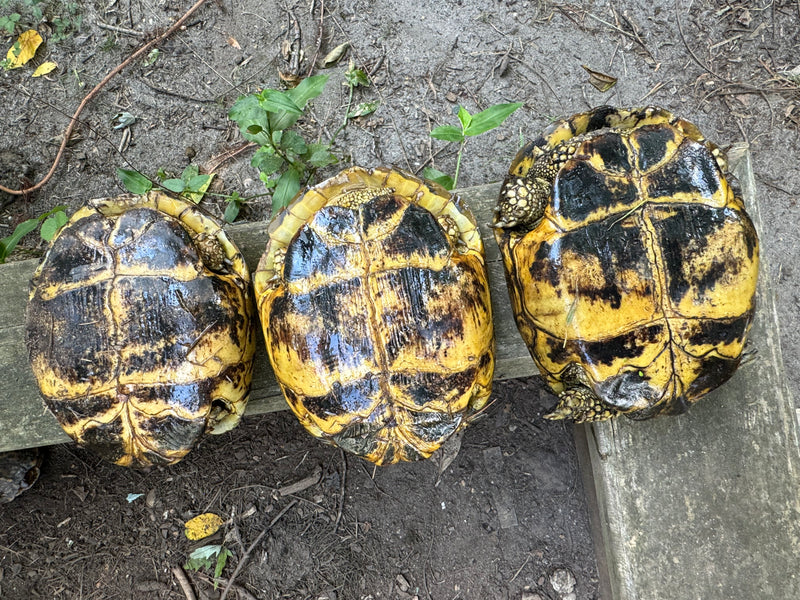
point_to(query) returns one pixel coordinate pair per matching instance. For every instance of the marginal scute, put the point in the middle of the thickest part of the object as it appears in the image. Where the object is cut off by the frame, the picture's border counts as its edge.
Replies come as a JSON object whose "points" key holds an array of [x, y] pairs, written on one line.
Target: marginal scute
{"points": [[635, 266], [378, 320]]}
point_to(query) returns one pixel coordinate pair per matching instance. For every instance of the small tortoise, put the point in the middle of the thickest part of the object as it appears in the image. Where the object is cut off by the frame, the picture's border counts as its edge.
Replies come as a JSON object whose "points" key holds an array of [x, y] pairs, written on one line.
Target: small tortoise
{"points": [[630, 261], [140, 328], [19, 470], [375, 306]]}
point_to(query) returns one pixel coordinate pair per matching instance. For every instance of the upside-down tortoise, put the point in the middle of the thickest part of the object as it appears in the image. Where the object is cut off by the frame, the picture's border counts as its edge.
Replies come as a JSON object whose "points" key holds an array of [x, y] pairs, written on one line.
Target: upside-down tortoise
{"points": [[630, 261], [375, 306], [140, 328]]}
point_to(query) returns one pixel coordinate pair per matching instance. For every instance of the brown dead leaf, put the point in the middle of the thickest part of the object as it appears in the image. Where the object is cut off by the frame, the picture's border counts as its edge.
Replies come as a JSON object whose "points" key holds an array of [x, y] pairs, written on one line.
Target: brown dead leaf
{"points": [[335, 55], [599, 80]]}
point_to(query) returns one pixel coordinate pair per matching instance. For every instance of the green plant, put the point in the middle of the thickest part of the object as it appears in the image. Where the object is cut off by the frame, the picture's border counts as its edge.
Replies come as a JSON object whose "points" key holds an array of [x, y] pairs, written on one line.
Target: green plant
{"points": [[201, 558], [190, 184], [67, 23], [234, 205], [64, 17], [50, 221], [285, 161], [471, 125], [9, 22]]}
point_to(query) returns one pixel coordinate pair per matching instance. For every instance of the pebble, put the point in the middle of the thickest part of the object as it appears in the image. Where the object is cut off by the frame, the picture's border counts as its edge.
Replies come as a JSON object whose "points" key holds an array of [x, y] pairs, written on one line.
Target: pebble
{"points": [[563, 582]]}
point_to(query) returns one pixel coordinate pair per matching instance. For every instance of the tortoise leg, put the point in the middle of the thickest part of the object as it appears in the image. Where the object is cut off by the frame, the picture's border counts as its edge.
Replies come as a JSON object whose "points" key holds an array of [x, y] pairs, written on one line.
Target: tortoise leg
{"points": [[580, 404], [525, 197], [578, 401], [523, 200]]}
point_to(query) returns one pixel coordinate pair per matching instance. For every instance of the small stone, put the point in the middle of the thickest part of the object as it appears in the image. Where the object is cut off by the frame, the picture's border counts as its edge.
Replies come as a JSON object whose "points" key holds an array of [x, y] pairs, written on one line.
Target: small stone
{"points": [[451, 97], [402, 583], [563, 582]]}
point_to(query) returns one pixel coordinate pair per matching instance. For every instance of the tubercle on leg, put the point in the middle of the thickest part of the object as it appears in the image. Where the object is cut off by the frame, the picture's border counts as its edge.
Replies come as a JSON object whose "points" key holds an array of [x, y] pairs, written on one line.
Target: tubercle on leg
{"points": [[580, 404]]}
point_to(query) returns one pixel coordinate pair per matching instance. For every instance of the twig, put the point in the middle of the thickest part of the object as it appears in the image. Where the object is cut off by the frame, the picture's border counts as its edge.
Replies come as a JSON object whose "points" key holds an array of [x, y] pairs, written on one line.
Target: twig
{"points": [[342, 484], [235, 587], [124, 30], [246, 555], [319, 37], [184, 583], [74, 119]]}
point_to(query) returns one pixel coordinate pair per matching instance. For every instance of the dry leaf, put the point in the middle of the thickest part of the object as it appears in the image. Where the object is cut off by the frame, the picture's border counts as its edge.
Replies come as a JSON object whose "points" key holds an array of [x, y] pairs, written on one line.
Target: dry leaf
{"points": [[23, 49], [202, 526], [335, 55], [600, 80], [44, 69]]}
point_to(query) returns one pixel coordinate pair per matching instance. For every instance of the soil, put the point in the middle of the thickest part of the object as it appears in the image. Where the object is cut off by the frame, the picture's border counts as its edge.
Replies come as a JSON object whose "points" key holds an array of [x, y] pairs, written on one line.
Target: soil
{"points": [[507, 517]]}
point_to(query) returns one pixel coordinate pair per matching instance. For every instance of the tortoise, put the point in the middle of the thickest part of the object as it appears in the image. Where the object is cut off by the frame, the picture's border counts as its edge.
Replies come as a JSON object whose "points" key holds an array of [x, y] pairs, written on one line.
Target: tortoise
{"points": [[630, 261], [375, 306], [140, 328], [19, 470]]}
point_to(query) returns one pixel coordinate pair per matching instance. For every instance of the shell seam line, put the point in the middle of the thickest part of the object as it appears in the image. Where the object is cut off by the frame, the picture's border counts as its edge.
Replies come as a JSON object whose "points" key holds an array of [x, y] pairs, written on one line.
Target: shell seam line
{"points": [[372, 319]]}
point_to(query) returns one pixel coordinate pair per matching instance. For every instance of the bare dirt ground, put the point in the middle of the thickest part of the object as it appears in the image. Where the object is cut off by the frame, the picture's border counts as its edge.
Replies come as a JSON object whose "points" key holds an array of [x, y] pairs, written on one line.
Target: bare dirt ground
{"points": [[508, 515]]}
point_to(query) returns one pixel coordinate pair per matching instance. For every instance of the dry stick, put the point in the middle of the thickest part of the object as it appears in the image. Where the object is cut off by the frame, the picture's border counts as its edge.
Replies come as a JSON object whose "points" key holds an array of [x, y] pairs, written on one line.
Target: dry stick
{"points": [[341, 491], [184, 583], [252, 546], [74, 120], [320, 32]]}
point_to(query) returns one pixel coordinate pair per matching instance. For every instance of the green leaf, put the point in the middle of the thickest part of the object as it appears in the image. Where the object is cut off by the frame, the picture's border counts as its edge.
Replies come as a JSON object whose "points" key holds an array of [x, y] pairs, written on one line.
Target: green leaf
{"points": [[448, 133], [7, 244], [293, 142], [306, 90], [252, 120], [231, 211], [287, 187], [356, 77], [437, 176], [464, 117], [174, 185], [189, 172], [199, 183], [277, 102], [320, 156], [52, 224], [490, 118], [134, 182], [363, 109], [266, 161], [197, 186], [222, 558]]}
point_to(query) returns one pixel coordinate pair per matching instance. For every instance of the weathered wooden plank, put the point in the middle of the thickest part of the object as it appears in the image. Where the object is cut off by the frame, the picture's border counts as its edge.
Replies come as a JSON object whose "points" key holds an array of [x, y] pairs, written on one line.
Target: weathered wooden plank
{"points": [[705, 505], [25, 422]]}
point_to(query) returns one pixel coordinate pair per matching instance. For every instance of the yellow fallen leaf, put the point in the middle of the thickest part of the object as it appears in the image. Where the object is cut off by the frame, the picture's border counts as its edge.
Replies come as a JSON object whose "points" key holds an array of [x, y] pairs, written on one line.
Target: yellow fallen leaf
{"points": [[44, 69], [202, 526], [23, 49]]}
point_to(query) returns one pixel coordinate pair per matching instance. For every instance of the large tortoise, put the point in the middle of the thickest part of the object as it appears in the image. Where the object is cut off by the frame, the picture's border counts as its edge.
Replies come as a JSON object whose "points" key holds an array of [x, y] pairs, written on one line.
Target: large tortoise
{"points": [[140, 328], [375, 306], [630, 261]]}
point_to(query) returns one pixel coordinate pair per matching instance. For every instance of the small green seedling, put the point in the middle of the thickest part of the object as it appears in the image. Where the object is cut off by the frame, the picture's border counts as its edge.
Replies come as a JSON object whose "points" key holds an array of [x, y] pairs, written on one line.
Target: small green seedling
{"points": [[202, 559], [284, 159], [191, 184], [471, 125], [51, 222]]}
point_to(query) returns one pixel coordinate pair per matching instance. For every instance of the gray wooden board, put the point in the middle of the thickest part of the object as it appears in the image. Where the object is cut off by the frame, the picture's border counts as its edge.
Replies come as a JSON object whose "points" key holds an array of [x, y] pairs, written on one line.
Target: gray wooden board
{"points": [[705, 505], [25, 422]]}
